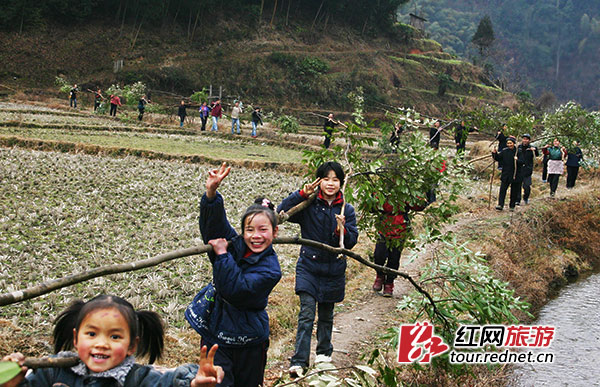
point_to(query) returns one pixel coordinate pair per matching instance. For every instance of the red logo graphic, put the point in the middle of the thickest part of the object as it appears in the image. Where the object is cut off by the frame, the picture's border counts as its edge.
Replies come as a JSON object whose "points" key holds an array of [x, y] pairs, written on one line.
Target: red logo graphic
{"points": [[417, 343]]}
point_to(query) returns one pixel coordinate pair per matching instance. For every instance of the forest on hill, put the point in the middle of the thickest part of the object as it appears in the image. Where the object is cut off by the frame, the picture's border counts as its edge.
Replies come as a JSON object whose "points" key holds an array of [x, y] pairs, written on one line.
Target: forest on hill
{"points": [[539, 45]]}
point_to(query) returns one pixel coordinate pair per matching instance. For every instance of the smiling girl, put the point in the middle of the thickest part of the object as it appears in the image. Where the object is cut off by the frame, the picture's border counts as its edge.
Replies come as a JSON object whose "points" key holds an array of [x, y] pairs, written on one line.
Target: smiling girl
{"points": [[106, 332], [245, 270], [320, 275]]}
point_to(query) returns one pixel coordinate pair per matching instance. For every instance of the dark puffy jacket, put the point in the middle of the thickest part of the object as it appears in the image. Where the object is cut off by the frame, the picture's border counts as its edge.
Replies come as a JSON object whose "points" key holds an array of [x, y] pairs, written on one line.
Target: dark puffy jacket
{"points": [[501, 140], [528, 157], [243, 281], [574, 156], [506, 159], [138, 376], [318, 272]]}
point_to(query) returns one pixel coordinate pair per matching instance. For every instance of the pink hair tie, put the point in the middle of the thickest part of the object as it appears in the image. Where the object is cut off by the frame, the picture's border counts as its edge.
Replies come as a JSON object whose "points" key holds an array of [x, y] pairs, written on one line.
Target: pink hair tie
{"points": [[266, 203]]}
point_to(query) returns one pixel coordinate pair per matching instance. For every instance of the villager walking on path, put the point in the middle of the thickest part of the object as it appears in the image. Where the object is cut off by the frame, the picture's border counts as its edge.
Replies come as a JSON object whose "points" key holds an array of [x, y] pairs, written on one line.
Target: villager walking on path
{"points": [[328, 127], [216, 112], [574, 157], [529, 153], [510, 159], [181, 112], [556, 154]]}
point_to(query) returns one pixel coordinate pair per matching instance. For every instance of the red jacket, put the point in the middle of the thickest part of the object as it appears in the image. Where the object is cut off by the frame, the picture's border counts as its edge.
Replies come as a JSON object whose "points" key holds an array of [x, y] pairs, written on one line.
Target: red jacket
{"points": [[115, 100], [216, 111], [395, 223]]}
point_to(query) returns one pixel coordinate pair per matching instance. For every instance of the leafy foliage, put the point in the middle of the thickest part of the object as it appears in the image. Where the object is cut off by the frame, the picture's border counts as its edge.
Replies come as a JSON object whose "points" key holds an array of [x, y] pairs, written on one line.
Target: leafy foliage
{"points": [[465, 292], [401, 178], [545, 45], [200, 96], [572, 122], [130, 94], [63, 85], [287, 124], [484, 36]]}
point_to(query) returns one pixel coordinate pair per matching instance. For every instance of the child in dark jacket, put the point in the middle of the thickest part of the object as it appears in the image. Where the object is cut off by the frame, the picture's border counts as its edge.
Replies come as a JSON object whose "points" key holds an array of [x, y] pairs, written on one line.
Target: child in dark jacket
{"points": [[244, 273], [106, 332], [320, 275]]}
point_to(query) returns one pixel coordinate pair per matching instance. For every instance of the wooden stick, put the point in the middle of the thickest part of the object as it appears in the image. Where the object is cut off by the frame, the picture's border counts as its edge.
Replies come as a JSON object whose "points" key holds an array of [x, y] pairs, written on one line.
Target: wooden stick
{"points": [[49, 286], [49, 362], [491, 182], [479, 159], [322, 116]]}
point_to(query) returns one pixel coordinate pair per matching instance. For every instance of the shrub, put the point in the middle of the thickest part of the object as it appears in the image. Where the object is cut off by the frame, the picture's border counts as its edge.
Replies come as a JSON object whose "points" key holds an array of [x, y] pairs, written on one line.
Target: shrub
{"points": [[287, 124]]}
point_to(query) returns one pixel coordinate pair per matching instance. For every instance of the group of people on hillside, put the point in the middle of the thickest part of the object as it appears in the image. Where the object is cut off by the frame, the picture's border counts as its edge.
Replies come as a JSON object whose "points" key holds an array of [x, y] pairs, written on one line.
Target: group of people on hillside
{"points": [[516, 163], [215, 111]]}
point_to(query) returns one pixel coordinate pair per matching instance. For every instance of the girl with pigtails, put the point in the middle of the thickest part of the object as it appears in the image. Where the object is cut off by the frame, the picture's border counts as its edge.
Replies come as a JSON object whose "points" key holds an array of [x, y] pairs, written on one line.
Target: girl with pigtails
{"points": [[231, 311], [105, 333]]}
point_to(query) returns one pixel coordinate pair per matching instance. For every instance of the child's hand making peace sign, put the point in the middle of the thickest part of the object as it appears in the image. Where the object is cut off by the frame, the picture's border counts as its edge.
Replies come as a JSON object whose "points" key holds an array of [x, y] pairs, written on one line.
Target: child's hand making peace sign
{"points": [[311, 187], [208, 374], [214, 179]]}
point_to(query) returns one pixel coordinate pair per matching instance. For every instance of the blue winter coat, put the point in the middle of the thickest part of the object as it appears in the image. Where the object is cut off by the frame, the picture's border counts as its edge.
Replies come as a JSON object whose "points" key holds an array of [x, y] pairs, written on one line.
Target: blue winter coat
{"points": [[318, 272], [137, 376], [243, 283]]}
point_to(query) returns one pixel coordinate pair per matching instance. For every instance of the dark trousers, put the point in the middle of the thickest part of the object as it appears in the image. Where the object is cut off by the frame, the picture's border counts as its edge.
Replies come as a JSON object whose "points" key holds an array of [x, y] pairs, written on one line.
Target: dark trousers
{"points": [[460, 149], [73, 102], [203, 128], [328, 133], [545, 168], [113, 109], [553, 180], [572, 173], [390, 257], [244, 366], [306, 320], [515, 187], [526, 189], [96, 105], [141, 115]]}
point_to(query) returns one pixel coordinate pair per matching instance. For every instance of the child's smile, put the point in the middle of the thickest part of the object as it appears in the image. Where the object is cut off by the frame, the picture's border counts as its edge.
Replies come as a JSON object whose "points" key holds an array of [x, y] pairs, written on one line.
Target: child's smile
{"points": [[103, 340], [258, 232]]}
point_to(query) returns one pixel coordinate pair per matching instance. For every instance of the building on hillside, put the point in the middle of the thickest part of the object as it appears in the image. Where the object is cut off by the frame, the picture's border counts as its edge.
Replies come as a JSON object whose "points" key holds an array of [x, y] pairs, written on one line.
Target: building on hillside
{"points": [[417, 21]]}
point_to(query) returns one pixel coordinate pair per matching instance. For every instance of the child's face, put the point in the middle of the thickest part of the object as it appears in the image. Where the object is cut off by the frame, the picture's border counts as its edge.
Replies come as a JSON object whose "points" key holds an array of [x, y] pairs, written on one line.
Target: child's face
{"points": [[103, 340], [258, 232], [330, 185]]}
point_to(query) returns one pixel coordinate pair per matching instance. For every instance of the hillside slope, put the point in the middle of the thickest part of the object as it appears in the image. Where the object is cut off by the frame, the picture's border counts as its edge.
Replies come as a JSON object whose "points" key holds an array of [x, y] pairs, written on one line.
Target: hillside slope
{"points": [[286, 69]]}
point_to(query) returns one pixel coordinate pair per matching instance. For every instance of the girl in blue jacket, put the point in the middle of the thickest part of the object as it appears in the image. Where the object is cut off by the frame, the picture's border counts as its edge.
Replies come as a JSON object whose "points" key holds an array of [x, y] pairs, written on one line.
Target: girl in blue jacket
{"points": [[106, 332], [320, 275], [245, 270]]}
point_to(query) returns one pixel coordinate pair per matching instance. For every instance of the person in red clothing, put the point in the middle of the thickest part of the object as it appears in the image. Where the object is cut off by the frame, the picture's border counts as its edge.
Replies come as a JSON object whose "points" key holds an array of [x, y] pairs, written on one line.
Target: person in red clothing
{"points": [[395, 225], [114, 102], [216, 113]]}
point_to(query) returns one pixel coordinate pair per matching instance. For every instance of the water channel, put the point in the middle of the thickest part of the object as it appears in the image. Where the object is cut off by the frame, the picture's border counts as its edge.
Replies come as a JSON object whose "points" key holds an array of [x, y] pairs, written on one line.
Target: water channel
{"points": [[575, 314]]}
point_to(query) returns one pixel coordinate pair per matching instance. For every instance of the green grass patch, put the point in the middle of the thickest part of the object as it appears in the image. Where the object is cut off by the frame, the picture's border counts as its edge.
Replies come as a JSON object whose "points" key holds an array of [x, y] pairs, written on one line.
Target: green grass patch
{"points": [[212, 147]]}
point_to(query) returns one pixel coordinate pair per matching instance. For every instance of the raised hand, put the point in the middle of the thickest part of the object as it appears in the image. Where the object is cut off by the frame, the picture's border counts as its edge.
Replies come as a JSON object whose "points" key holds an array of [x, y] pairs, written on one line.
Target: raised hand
{"points": [[214, 179], [208, 373], [219, 245], [311, 187]]}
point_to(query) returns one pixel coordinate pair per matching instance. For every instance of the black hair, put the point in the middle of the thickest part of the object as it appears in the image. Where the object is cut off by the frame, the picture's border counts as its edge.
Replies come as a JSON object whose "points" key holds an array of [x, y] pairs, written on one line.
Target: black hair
{"points": [[261, 206], [144, 324], [334, 166]]}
